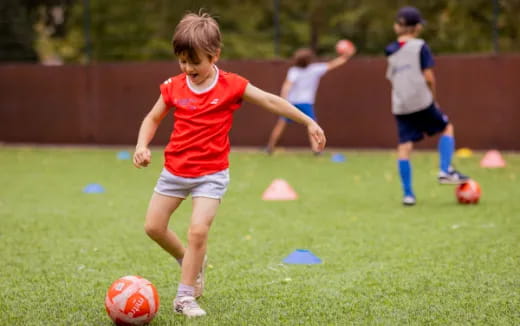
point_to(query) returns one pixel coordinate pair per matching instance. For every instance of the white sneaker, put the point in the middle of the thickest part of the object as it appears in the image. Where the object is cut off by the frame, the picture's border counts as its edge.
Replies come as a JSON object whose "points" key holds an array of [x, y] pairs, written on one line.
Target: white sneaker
{"points": [[188, 306], [453, 177], [199, 282], [409, 200]]}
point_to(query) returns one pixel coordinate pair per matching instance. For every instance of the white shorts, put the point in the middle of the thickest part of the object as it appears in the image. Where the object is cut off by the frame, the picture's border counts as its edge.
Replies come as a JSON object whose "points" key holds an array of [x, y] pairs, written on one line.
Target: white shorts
{"points": [[211, 185]]}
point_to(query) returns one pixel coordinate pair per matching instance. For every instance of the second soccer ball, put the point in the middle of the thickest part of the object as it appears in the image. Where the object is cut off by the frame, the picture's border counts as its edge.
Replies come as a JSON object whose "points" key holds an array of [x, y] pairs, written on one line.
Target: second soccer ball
{"points": [[345, 47], [468, 192]]}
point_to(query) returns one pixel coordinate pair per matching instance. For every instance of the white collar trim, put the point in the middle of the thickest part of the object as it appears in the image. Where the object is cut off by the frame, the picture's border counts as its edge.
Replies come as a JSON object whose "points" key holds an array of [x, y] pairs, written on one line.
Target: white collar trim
{"points": [[213, 83]]}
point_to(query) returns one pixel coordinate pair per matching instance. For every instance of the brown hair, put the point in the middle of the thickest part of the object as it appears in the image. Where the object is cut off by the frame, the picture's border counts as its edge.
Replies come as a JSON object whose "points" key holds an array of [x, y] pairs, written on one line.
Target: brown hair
{"points": [[303, 57], [196, 32]]}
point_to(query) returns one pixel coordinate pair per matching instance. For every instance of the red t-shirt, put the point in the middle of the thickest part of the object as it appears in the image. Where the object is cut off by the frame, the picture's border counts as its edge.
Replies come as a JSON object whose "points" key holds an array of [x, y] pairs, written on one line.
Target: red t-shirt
{"points": [[199, 143]]}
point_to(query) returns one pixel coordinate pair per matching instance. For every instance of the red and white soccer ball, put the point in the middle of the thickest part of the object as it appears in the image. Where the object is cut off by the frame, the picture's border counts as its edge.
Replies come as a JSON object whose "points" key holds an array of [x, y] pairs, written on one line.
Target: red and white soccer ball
{"points": [[345, 47], [468, 192], [132, 300]]}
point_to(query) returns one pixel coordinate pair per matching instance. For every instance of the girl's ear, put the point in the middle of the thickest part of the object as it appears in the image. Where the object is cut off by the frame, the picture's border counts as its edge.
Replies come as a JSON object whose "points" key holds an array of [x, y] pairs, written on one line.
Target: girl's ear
{"points": [[215, 58]]}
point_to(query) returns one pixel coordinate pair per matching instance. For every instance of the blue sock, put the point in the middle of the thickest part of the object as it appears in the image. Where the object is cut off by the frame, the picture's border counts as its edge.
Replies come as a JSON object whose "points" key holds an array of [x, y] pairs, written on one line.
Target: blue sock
{"points": [[405, 171], [446, 149]]}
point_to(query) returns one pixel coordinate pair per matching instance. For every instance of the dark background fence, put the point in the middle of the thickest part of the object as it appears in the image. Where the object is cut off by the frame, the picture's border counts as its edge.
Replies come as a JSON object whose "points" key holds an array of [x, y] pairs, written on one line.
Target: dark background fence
{"points": [[105, 103]]}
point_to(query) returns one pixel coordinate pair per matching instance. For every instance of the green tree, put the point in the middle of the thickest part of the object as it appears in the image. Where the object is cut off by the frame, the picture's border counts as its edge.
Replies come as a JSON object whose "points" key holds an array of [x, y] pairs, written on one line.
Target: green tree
{"points": [[16, 32], [137, 30]]}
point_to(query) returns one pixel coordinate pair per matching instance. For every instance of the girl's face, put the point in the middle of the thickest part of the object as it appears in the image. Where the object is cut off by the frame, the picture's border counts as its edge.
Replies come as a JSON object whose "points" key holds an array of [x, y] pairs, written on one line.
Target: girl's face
{"points": [[200, 73]]}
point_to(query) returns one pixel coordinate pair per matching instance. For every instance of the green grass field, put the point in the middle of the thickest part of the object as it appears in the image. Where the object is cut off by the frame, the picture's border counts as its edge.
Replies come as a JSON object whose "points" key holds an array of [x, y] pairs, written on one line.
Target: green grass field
{"points": [[438, 263]]}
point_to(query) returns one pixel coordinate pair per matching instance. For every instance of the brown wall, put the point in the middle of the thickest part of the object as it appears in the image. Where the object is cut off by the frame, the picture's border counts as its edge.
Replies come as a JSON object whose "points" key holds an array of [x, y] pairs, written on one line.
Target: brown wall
{"points": [[104, 103]]}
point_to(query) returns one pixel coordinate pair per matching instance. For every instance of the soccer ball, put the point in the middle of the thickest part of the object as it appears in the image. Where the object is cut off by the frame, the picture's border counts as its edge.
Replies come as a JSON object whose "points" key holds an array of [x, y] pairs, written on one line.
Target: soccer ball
{"points": [[131, 300], [468, 192], [345, 46]]}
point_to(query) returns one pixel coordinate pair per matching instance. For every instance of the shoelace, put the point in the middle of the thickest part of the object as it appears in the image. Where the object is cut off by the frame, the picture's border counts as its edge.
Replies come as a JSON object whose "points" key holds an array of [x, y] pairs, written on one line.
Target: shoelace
{"points": [[189, 302], [457, 174]]}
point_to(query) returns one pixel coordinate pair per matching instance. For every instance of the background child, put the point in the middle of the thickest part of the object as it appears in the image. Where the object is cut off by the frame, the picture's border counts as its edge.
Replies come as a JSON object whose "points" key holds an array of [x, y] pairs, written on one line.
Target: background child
{"points": [[301, 84], [196, 157], [410, 64]]}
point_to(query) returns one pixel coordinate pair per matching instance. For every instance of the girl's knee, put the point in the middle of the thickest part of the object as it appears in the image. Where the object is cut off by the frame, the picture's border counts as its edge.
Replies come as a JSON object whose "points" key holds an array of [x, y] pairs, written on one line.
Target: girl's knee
{"points": [[198, 234], [449, 130], [154, 231], [404, 150]]}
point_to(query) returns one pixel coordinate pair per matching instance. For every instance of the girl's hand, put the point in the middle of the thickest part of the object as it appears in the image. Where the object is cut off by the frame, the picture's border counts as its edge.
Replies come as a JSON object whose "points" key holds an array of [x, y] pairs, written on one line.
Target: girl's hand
{"points": [[142, 157], [317, 137]]}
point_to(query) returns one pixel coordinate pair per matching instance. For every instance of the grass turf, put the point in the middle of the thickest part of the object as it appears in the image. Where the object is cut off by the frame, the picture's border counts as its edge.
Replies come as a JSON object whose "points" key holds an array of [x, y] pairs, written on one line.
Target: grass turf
{"points": [[436, 263]]}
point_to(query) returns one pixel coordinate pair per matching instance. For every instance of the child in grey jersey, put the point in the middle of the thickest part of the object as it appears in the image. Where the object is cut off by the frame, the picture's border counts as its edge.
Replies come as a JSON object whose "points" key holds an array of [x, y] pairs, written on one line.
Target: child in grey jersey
{"points": [[410, 71]]}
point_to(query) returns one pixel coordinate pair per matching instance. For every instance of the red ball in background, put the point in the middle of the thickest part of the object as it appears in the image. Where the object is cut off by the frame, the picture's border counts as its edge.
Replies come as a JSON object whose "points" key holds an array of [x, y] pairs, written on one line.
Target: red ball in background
{"points": [[345, 47], [131, 300], [468, 192]]}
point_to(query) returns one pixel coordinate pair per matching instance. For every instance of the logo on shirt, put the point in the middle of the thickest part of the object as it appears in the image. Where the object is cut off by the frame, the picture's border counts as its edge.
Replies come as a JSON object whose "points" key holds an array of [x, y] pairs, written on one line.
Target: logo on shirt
{"points": [[214, 101], [185, 102], [398, 69]]}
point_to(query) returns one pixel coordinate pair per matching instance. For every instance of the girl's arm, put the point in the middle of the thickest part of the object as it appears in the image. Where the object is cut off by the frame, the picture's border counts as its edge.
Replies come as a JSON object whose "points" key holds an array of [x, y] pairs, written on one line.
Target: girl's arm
{"points": [[142, 154], [280, 106], [430, 81], [342, 59], [339, 61]]}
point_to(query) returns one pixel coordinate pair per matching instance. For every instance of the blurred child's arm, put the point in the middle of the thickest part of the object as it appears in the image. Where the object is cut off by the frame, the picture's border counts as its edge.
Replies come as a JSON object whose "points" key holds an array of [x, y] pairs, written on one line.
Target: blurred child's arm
{"points": [[280, 106], [285, 89], [430, 81], [341, 60], [142, 155]]}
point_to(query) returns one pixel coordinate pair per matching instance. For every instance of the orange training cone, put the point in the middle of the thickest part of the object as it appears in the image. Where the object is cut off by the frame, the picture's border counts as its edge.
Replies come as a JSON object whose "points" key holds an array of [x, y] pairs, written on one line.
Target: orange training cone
{"points": [[279, 189], [492, 159]]}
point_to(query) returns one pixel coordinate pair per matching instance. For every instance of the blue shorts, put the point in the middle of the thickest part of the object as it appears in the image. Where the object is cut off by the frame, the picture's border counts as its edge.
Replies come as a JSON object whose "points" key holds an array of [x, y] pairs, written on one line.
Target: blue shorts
{"points": [[413, 126], [306, 108]]}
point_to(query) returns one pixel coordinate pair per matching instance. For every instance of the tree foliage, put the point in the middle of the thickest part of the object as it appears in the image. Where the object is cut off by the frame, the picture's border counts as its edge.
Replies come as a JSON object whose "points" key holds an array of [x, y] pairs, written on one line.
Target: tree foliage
{"points": [[137, 30], [16, 34]]}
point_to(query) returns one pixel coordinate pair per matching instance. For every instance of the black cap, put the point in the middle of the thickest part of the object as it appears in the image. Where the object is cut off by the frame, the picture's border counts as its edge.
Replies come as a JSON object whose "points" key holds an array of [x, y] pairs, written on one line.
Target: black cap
{"points": [[409, 16]]}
